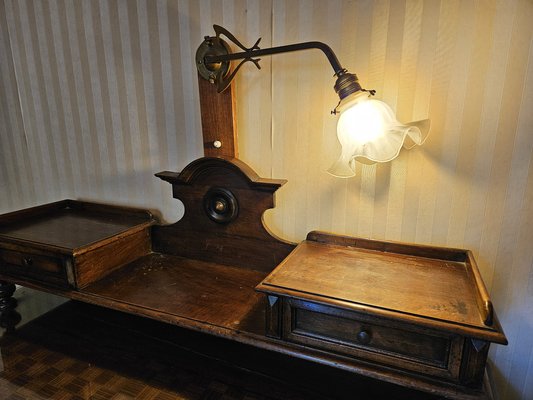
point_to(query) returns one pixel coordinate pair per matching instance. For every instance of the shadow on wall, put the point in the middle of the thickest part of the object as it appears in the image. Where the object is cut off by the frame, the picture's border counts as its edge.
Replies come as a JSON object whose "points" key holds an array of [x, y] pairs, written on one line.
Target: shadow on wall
{"points": [[498, 382]]}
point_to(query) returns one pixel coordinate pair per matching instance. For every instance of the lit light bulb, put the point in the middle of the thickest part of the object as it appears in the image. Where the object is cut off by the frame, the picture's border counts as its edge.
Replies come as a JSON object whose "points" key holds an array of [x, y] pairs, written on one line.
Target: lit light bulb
{"points": [[363, 122], [369, 132]]}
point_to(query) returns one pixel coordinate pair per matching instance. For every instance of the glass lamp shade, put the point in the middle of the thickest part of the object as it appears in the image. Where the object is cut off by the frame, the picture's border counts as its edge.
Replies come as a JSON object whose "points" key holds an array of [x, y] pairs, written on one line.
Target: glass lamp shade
{"points": [[369, 132]]}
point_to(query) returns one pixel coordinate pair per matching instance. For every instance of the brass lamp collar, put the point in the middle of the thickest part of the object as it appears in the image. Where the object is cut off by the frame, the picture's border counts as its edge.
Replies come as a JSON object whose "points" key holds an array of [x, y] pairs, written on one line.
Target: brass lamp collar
{"points": [[346, 84]]}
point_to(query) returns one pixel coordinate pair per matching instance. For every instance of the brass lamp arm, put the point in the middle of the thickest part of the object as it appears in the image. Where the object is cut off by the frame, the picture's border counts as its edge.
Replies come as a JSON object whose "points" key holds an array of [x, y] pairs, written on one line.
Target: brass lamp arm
{"points": [[214, 55], [257, 52]]}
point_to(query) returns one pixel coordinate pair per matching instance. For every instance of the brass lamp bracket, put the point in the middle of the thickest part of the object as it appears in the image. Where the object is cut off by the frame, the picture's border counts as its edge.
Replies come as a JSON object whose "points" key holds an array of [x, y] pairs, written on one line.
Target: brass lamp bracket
{"points": [[213, 47], [212, 71]]}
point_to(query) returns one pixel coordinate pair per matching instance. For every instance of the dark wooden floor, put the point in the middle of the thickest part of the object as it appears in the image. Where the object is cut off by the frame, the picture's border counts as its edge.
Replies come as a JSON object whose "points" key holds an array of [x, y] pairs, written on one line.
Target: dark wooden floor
{"points": [[79, 351]]}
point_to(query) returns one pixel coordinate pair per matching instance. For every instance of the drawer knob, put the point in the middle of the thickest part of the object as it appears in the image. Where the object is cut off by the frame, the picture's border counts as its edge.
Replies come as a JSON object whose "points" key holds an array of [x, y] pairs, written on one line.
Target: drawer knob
{"points": [[27, 261], [363, 337]]}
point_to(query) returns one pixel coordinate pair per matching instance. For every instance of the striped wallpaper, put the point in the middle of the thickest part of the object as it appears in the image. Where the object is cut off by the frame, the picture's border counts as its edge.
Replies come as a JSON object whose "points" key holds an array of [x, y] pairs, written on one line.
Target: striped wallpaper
{"points": [[97, 96]]}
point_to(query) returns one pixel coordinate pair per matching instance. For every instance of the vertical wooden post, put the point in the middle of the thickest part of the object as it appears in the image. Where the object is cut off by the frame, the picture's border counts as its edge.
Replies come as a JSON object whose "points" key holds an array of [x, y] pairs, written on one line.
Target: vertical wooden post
{"points": [[218, 120]]}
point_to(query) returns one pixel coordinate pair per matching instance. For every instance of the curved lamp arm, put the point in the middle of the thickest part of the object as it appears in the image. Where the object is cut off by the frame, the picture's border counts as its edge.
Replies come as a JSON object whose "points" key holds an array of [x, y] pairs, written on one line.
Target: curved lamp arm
{"points": [[367, 129], [214, 55]]}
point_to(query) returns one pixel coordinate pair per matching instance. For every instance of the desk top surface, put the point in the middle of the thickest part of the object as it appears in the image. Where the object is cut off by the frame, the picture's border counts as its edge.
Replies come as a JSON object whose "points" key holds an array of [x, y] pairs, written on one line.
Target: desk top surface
{"points": [[69, 224], [398, 284]]}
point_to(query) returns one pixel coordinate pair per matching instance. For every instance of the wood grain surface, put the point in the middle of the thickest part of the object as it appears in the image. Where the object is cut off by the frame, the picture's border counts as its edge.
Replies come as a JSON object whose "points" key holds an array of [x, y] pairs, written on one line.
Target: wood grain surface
{"points": [[409, 286], [206, 292]]}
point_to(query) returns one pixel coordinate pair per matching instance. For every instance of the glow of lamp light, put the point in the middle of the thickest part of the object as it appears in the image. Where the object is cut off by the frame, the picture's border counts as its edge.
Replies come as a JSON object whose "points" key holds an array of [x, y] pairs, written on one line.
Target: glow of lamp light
{"points": [[368, 131]]}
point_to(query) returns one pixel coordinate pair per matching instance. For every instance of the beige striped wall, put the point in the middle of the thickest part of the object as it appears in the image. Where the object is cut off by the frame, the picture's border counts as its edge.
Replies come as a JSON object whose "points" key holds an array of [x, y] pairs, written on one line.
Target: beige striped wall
{"points": [[96, 96]]}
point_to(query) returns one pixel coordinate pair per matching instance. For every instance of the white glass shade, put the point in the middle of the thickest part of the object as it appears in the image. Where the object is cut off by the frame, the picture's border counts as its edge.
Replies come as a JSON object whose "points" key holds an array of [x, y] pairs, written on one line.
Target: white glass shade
{"points": [[369, 132]]}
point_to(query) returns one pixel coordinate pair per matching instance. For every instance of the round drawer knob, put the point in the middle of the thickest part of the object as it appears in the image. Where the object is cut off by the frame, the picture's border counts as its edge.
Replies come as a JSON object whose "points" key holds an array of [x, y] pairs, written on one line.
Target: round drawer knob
{"points": [[221, 205], [363, 337]]}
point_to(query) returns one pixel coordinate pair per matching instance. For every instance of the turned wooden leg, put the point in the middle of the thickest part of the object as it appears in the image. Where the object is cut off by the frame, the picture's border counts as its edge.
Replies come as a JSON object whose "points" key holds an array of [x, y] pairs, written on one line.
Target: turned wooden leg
{"points": [[9, 317]]}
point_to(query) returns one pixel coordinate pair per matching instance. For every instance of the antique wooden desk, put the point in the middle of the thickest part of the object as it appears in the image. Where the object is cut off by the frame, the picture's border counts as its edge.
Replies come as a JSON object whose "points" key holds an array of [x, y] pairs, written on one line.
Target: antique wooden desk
{"points": [[415, 316]]}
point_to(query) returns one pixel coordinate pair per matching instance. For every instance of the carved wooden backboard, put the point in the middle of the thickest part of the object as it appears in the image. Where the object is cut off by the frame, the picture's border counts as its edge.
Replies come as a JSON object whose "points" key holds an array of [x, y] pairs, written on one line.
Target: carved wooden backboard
{"points": [[224, 202]]}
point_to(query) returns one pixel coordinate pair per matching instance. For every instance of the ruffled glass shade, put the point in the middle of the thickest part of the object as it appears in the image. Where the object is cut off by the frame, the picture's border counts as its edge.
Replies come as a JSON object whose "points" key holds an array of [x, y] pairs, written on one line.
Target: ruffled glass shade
{"points": [[369, 132]]}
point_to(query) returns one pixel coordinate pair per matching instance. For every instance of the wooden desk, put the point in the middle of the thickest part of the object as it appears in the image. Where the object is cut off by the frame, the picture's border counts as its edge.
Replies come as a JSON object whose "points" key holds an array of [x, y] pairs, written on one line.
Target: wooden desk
{"points": [[409, 315], [419, 309]]}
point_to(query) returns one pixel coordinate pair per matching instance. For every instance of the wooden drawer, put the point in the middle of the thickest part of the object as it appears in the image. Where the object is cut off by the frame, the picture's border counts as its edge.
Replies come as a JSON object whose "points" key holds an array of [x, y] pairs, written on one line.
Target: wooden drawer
{"points": [[70, 243], [36, 265], [369, 338], [400, 311]]}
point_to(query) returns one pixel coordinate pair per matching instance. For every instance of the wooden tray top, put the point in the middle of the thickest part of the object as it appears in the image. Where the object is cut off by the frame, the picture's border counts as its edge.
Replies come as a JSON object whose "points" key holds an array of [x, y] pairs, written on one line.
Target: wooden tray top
{"points": [[442, 287], [70, 225]]}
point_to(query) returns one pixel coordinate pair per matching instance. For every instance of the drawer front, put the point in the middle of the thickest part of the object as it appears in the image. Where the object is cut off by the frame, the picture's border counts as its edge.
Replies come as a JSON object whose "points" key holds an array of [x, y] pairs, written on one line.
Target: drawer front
{"points": [[365, 337], [35, 265]]}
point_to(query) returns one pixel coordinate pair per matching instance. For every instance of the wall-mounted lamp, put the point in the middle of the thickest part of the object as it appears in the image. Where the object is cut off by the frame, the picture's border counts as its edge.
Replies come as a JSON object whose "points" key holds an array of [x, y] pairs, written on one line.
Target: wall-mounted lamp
{"points": [[367, 128]]}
